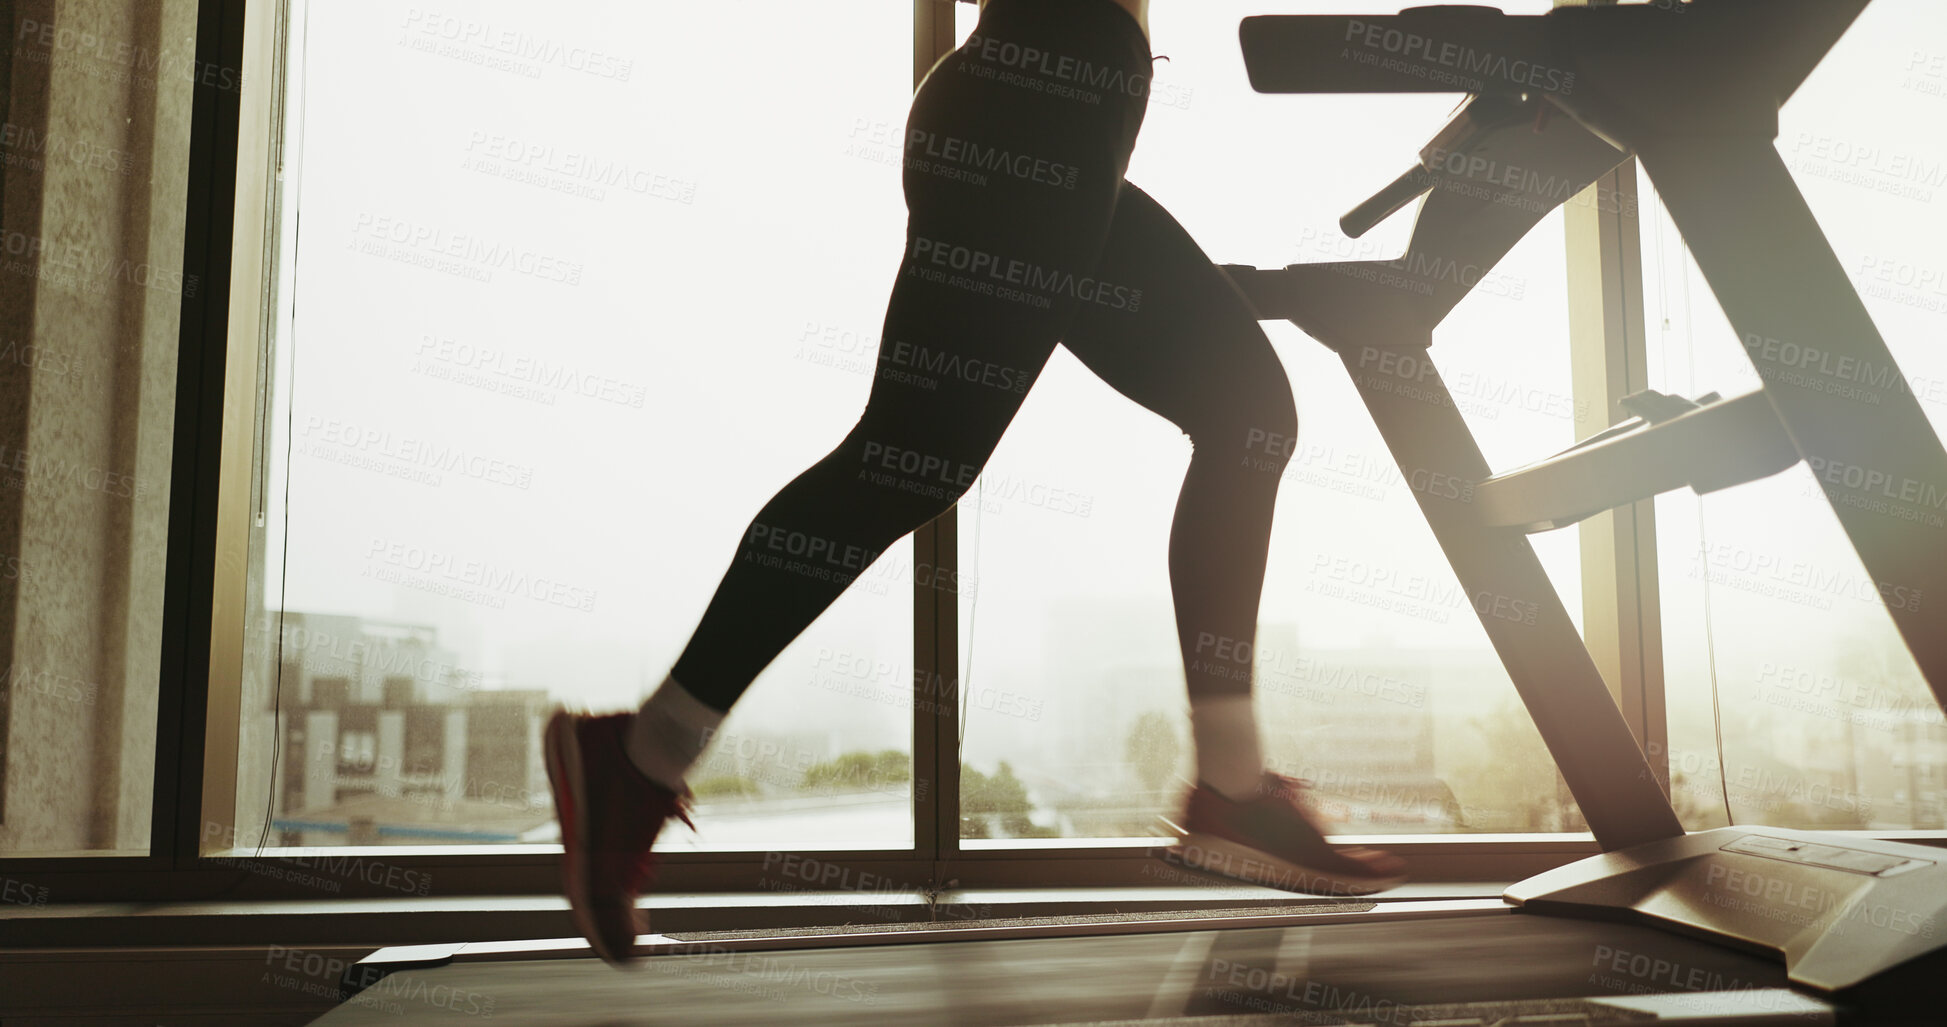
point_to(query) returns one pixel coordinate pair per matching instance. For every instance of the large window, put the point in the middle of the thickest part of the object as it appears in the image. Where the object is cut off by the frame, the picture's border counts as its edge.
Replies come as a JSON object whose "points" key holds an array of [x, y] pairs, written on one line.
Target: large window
{"points": [[566, 295], [1776, 640]]}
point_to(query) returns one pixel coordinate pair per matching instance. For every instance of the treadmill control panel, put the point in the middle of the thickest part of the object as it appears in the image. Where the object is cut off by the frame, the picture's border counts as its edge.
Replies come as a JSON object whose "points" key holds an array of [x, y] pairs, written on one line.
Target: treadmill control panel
{"points": [[1831, 857]]}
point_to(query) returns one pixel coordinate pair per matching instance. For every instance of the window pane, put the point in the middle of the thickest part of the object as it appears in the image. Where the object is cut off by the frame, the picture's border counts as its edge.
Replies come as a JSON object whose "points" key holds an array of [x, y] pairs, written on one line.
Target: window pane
{"points": [[1375, 678], [575, 293], [94, 157], [1767, 609]]}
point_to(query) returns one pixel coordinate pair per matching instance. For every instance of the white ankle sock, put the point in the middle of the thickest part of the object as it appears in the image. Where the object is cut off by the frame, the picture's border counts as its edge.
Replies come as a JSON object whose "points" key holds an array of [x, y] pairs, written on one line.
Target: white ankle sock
{"points": [[1228, 756], [670, 733]]}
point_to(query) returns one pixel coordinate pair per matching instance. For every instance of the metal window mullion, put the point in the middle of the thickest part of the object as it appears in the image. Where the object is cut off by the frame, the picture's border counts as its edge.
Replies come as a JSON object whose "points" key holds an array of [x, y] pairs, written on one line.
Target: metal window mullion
{"points": [[1608, 357], [247, 318], [1622, 617], [936, 624]]}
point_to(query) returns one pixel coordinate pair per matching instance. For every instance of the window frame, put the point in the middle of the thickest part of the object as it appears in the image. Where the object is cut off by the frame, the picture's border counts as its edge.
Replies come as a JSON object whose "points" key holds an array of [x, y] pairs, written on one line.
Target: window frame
{"points": [[232, 196]]}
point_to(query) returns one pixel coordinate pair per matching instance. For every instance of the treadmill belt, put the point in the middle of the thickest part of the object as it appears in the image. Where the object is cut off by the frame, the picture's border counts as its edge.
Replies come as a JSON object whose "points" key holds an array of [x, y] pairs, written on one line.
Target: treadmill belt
{"points": [[882, 927], [1393, 973], [1572, 1012]]}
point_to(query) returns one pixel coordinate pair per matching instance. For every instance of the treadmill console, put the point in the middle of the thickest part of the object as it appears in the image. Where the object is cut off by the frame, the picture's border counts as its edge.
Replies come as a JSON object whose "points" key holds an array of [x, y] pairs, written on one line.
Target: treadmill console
{"points": [[1830, 857]]}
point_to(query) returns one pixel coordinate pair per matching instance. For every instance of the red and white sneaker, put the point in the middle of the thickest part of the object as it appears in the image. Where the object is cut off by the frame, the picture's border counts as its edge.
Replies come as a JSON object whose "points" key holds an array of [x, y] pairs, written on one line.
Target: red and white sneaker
{"points": [[1272, 840], [610, 815]]}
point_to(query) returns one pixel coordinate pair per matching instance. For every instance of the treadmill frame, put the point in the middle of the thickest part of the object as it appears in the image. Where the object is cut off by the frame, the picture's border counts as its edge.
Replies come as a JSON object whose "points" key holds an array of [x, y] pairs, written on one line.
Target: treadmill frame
{"points": [[1695, 93]]}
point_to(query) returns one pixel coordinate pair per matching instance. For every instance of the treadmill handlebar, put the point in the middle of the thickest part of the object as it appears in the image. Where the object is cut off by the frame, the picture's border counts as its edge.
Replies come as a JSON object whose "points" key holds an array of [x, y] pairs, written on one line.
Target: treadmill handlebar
{"points": [[1439, 49], [1453, 147], [1404, 190]]}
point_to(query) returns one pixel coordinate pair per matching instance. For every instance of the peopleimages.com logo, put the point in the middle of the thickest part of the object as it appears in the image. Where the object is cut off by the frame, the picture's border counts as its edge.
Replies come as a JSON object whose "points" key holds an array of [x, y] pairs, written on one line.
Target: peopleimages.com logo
{"points": [[1455, 59]]}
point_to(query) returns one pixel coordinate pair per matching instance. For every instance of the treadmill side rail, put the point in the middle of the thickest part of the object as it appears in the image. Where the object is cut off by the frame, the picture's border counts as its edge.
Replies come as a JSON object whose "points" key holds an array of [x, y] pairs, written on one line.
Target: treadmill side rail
{"points": [[1715, 446]]}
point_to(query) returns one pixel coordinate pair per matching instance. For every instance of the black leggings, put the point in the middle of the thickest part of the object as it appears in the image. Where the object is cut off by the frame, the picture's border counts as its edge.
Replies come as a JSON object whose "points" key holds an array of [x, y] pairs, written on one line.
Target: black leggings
{"points": [[1023, 235]]}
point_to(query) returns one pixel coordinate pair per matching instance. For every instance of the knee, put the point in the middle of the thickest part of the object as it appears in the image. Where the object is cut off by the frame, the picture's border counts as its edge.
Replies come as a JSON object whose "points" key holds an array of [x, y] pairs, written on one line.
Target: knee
{"points": [[1256, 427], [912, 483]]}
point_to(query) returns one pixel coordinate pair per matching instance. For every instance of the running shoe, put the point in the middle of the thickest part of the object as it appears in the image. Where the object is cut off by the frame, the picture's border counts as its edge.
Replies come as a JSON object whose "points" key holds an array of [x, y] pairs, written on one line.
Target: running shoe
{"points": [[610, 815], [1272, 839]]}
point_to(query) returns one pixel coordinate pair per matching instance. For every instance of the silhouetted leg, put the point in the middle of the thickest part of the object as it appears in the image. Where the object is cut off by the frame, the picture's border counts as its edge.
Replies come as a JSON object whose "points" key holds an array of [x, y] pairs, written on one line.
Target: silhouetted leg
{"points": [[1011, 191], [1194, 353]]}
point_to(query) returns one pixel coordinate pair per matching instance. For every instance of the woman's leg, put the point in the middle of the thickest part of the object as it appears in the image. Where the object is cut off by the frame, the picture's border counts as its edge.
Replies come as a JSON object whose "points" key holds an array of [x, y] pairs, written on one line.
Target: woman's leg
{"points": [[1196, 355], [1015, 150]]}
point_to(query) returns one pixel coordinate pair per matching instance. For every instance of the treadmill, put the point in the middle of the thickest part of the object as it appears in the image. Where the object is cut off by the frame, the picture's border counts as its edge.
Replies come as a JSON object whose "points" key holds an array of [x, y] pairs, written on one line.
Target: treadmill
{"points": [[1738, 925]]}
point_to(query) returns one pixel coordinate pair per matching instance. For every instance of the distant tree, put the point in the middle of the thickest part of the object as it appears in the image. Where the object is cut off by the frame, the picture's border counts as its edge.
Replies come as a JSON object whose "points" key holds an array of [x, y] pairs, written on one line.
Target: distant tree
{"points": [[1002, 796], [861, 770], [974, 803], [1153, 749], [1001, 793], [723, 786], [1511, 774]]}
